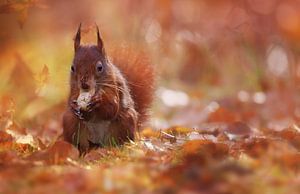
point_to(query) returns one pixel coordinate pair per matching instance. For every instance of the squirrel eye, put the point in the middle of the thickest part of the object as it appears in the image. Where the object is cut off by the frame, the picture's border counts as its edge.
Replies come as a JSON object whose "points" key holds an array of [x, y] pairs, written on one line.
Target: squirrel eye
{"points": [[99, 67], [72, 69]]}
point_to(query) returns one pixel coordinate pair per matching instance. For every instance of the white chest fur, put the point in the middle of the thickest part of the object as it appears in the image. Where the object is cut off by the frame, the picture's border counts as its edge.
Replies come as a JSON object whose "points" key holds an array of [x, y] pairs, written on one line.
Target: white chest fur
{"points": [[98, 131]]}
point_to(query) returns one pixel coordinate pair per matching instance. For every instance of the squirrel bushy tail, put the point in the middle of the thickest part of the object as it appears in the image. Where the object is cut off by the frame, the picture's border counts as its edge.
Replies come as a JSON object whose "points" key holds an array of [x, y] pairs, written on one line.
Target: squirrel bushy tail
{"points": [[139, 73]]}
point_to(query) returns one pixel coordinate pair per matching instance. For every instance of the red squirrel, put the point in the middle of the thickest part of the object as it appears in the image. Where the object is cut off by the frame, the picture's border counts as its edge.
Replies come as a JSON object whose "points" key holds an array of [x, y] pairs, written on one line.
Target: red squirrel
{"points": [[119, 92]]}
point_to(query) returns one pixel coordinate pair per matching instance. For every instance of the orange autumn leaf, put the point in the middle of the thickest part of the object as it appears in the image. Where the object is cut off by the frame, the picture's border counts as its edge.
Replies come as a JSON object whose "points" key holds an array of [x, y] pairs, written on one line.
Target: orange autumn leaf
{"points": [[150, 133], [13, 7], [58, 153], [223, 115], [291, 161], [205, 147], [5, 137], [178, 130], [256, 147], [42, 78], [20, 8]]}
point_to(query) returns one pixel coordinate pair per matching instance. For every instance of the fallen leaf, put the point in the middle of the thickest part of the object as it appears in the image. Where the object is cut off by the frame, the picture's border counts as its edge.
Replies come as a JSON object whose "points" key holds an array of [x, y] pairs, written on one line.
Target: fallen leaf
{"points": [[223, 115], [206, 148], [149, 132], [256, 147], [58, 153], [42, 79], [238, 130], [5, 137]]}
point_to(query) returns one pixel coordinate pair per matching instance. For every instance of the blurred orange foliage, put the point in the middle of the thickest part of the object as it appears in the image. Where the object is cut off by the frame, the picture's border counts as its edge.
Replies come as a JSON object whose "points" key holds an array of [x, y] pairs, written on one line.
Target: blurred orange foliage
{"points": [[227, 106]]}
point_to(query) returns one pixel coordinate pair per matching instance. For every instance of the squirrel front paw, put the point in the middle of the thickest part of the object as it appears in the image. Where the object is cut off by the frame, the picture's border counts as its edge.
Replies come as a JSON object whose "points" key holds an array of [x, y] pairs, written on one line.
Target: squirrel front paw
{"points": [[75, 109], [94, 103], [82, 114]]}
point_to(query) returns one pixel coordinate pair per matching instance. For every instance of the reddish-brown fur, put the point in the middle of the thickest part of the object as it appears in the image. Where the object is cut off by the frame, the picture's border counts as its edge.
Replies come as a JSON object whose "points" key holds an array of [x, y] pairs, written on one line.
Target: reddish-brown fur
{"points": [[140, 75], [124, 90]]}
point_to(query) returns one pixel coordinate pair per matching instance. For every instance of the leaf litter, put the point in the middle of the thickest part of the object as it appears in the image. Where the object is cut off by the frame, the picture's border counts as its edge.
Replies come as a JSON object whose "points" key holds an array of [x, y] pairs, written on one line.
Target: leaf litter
{"points": [[174, 160]]}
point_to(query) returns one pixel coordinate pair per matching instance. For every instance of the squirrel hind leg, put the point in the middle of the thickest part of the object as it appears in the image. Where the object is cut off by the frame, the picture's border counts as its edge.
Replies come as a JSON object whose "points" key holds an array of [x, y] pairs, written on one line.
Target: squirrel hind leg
{"points": [[123, 130]]}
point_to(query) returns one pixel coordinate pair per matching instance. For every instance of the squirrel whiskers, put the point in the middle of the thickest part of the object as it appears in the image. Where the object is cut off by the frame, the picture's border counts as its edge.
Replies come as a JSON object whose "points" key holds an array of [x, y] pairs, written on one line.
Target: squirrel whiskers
{"points": [[109, 97]]}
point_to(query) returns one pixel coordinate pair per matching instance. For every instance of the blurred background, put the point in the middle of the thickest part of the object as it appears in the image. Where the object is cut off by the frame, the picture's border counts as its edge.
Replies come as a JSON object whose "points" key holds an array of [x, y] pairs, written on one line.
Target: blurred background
{"points": [[217, 60]]}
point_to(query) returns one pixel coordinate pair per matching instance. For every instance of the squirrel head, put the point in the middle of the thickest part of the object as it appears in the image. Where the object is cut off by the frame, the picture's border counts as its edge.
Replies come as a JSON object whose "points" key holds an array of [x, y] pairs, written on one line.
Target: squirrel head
{"points": [[90, 67]]}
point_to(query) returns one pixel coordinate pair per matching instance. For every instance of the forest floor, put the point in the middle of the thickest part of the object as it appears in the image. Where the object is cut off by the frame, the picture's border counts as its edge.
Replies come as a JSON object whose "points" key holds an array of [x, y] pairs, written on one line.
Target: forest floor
{"points": [[224, 156]]}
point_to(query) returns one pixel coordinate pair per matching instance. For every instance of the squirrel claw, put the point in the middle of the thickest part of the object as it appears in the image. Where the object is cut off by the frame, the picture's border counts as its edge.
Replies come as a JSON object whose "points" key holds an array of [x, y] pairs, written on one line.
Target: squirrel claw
{"points": [[93, 104], [90, 106], [79, 114]]}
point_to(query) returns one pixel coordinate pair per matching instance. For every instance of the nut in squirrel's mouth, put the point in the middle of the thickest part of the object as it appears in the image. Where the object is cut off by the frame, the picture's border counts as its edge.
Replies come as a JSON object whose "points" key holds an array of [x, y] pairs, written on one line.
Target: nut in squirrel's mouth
{"points": [[84, 98]]}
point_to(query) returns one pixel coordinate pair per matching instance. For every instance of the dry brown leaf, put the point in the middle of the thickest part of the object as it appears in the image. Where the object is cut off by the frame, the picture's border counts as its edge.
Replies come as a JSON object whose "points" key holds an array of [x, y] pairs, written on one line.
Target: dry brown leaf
{"points": [[5, 137], [256, 147], [205, 147], [150, 133], [291, 161], [42, 78], [223, 115], [96, 155], [58, 153], [178, 130]]}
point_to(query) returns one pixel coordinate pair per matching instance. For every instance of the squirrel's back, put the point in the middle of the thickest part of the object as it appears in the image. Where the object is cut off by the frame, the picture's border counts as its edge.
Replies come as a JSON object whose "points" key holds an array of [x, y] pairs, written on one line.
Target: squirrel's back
{"points": [[139, 73]]}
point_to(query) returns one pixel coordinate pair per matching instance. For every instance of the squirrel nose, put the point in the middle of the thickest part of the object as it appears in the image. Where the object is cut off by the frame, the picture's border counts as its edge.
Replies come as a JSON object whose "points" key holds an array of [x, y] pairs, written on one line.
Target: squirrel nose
{"points": [[85, 86]]}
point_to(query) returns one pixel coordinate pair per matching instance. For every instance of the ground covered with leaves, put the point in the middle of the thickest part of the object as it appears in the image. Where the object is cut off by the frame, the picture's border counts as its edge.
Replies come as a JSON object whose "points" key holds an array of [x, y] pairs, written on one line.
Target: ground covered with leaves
{"points": [[220, 157]]}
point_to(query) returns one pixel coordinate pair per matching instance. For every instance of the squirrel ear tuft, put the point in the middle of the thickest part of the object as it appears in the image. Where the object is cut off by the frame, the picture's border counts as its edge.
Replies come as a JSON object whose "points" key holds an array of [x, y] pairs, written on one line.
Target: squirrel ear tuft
{"points": [[77, 38], [99, 41]]}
